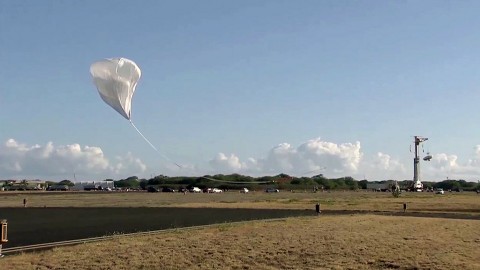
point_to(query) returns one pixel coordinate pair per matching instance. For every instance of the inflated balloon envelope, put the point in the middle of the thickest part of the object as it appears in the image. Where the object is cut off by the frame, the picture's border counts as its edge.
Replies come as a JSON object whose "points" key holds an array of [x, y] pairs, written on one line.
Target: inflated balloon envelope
{"points": [[116, 80]]}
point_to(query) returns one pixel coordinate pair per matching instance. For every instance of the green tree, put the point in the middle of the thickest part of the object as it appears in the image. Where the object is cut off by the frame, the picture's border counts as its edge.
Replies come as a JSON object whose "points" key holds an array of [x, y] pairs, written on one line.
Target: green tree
{"points": [[327, 184], [295, 182], [318, 176], [67, 183], [339, 183], [143, 184], [24, 184], [351, 183], [363, 184], [128, 183], [132, 178]]}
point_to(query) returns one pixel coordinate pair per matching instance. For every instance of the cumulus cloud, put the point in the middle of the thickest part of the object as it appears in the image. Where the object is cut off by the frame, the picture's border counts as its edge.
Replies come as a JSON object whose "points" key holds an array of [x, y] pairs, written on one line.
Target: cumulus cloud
{"points": [[445, 165], [50, 161], [383, 166], [127, 164], [313, 155], [342, 159], [224, 163], [20, 160]]}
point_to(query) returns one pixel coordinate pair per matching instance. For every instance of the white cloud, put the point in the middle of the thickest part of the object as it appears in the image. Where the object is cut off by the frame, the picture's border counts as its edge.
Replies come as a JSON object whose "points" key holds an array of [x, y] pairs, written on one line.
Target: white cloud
{"points": [[21, 160], [313, 155], [445, 165], [49, 161], [129, 165], [336, 160], [225, 163], [383, 166], [341, 158]]}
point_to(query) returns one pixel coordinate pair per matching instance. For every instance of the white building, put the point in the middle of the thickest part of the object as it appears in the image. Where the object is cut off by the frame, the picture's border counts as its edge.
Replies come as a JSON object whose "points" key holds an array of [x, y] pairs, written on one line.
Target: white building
{"points": [[90, 185]]}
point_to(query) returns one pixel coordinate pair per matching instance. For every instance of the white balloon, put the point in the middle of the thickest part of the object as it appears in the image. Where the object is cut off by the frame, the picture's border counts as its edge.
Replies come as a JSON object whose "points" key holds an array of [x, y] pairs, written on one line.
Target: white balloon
{"points": [[116, 80]]}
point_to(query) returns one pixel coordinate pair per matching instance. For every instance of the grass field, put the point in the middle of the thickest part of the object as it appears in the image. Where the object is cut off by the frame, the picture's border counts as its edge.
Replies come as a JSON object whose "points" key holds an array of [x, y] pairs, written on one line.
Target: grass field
{"points": [[465, 202], [323, 242], [340, 242]]}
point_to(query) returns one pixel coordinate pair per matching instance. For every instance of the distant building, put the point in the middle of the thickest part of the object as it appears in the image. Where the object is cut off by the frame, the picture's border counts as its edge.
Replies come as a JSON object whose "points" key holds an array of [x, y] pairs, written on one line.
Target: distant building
{"points": [[35, 184], [380, 186], [22, 185], [93, 185], [58, 188]]}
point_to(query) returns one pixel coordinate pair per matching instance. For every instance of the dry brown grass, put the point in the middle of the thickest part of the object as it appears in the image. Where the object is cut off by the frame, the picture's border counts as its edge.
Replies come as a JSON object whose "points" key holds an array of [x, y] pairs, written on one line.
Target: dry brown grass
{"points": [[324, 242], [467, 202]]}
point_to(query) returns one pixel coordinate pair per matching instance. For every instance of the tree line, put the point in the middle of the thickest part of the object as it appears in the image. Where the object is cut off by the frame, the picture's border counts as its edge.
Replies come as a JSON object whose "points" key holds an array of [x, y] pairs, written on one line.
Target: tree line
{"points": [[281, 181]]}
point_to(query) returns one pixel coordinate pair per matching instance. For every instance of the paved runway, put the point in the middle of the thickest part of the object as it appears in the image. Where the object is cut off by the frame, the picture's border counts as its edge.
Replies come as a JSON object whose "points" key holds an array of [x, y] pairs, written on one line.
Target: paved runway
{"points": [[28, 226]]}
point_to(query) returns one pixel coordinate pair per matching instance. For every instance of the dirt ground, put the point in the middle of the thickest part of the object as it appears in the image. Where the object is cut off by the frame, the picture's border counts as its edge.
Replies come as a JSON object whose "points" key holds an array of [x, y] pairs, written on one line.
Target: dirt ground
{"points": [[386, 240], [323, 242], [462, 202]]}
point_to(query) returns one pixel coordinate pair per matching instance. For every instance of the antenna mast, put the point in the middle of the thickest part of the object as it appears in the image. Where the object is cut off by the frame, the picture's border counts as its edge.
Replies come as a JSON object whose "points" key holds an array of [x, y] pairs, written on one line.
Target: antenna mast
{"points": [[417, 184]]}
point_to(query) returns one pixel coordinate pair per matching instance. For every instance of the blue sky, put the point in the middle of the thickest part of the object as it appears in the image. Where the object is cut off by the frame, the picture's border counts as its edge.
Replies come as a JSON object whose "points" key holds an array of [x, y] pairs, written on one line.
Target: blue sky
{"points": [[254, 87]]}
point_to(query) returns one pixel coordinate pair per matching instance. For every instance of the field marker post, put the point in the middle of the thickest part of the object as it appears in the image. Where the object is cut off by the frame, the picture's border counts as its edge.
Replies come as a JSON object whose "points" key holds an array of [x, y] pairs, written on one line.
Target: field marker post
{"points": [[317, 208], [404, 207], [3, 234]]}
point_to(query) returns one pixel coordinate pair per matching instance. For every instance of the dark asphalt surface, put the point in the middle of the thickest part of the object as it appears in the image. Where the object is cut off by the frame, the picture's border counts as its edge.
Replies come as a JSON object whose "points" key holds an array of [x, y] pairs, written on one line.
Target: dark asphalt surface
{"points": [[28, 226]]}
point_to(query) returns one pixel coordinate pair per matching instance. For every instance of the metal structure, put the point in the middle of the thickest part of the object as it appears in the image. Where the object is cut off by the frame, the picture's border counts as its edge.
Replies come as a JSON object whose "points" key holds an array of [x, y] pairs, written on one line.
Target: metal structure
{"points": [[417, 183], [3, 234], [396, 189]]}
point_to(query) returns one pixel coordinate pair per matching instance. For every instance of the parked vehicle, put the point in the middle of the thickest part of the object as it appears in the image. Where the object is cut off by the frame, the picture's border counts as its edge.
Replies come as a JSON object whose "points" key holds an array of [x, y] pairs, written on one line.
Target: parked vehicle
{"points": [[439, 191], [271, 190], [217, 190], [92, 187], [167, 189], [244, 190], [195, 190], [58, 188], [152, 189]]}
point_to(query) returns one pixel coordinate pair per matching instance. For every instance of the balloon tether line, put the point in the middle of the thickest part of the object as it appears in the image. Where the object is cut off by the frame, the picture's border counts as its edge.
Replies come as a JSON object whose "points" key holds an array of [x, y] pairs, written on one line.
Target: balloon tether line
{"points": [[153, 146]]}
